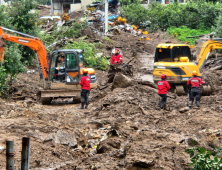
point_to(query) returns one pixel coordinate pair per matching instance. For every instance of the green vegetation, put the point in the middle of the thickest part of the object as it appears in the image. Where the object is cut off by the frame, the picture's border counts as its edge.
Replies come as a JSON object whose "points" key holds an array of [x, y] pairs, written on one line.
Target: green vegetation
{"points": [[73, 32], [128, 2], [43, 2], [23, 21], [182, 32], [204, 160], [17, 17], [135, 14], [194, 15], [109, 40]]}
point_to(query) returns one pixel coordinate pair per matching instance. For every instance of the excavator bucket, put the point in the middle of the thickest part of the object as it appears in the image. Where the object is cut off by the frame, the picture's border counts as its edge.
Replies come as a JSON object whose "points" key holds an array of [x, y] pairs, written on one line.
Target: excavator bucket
{"points": [[2, 50]]}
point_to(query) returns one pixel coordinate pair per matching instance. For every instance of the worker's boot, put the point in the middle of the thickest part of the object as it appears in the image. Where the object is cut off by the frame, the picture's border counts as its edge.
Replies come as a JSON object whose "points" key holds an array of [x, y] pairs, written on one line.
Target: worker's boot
{"points": [[86, 106], [82, 106], [190, 104], [198, 104]]}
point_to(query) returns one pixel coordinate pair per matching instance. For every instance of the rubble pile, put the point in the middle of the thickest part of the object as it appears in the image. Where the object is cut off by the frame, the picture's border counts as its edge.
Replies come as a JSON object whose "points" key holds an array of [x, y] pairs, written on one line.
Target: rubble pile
{"points": [[123, 128]]}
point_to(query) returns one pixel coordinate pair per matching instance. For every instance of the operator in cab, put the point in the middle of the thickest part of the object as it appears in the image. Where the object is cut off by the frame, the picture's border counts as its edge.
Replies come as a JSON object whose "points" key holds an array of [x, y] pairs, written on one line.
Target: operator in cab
{"points": [[117, 57], [85, 89], [195, 91], [163, 87]]}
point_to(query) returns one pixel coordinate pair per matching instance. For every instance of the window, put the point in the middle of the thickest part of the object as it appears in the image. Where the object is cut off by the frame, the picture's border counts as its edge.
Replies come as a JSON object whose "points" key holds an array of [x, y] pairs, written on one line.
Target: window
{"points": [[163, 54], [71, 61]]}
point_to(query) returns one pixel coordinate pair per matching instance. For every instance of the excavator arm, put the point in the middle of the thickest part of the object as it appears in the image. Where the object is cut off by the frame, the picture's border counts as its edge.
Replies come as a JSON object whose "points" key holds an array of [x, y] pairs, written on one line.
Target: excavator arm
{"points": [[33, 42], [207, 47]]}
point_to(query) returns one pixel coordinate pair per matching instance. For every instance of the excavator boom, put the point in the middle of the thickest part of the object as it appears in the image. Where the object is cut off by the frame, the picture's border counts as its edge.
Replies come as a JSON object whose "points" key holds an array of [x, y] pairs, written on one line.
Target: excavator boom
{"points": [[32, 42], [207, 47]]}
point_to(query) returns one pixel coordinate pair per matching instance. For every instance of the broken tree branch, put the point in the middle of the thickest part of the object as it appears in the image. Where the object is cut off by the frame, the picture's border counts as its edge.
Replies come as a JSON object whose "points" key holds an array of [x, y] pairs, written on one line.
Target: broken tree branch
{"points": [[49, 29], [216, 68]]}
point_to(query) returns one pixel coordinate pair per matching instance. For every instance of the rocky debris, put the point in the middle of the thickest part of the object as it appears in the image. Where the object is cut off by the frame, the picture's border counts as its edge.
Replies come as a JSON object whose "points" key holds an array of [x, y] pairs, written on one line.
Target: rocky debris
{"points": [[184, 109], [122, 81], [124, 128], [144, 163], [61, 137]]}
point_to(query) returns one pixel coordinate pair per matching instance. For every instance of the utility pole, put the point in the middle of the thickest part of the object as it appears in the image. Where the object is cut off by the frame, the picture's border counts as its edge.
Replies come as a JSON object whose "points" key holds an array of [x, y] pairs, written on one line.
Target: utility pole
{"points": [[106, 15], [51, 8]]}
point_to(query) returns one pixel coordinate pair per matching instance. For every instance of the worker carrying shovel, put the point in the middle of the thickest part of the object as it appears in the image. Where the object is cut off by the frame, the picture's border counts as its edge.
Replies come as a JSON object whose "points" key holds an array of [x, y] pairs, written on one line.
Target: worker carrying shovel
{"points": [[117, 57], [163, 87], [195, 91], [85, 89]]}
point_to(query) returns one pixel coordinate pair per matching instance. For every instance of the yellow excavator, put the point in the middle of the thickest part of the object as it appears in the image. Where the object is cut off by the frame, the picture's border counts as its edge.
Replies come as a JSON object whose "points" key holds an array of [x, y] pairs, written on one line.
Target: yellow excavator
{"points": [[176, 61]]}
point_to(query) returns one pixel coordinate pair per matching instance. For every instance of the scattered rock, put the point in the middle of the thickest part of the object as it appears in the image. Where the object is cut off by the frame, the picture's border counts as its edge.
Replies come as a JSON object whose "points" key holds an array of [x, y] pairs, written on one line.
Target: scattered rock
{"points": [[63, 137], [122, 81], [144, 163], [184, 109]]}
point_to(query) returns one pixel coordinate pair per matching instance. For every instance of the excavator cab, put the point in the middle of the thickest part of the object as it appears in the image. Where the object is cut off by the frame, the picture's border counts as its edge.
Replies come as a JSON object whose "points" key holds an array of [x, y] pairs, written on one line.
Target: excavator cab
{"points": [[64, 67], [171, 52]]}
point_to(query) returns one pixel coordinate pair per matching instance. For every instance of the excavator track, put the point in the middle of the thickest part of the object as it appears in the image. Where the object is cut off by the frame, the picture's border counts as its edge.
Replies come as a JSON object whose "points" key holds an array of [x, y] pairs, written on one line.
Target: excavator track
{"points": [[179, 90], [206, 90]]}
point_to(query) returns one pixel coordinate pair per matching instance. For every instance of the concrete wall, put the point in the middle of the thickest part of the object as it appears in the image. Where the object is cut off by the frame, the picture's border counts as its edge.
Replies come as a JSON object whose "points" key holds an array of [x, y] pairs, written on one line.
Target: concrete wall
{"points": [[86, 2], [75, 7], [2, 2], [58, 6]]}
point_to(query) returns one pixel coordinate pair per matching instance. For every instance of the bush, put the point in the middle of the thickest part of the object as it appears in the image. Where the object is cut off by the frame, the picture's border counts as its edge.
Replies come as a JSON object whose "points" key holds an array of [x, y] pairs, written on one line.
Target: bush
{"points": [[182, 32], [43, 2], [201, 159], [127, 2], [74, 31], [102, 63], [194, 15], [218, 26], [135, 14]]}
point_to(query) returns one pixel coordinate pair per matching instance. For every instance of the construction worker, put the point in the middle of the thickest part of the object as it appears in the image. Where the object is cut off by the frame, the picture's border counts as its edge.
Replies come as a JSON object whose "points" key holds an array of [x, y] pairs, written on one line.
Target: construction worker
{"points": [[117, 57], [194, 84], [163, 87], [85, 89]]}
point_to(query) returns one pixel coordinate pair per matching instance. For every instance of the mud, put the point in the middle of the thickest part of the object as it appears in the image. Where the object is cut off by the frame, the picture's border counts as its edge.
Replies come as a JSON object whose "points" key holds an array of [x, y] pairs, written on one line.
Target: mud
{"points": [[123, 128], [76, 14]]}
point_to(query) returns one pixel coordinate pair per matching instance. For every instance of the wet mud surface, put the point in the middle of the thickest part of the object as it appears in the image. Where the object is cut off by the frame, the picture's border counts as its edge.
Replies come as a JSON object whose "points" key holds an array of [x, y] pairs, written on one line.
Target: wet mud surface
{"points": [[123, 128]]}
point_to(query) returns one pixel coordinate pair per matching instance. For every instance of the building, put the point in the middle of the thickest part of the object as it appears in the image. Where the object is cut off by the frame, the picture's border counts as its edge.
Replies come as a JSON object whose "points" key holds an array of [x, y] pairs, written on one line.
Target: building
{"points": [[2, 2], [67, 6]]}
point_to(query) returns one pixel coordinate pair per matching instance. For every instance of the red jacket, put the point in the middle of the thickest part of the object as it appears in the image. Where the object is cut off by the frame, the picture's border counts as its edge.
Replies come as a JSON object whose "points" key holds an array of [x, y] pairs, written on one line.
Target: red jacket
{"points": [[163, 86], [116, 59], [195, 82], [85, 82]]}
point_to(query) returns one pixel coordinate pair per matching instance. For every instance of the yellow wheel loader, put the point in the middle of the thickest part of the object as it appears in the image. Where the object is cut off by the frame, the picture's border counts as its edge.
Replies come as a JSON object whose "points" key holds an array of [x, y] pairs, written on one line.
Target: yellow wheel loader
{"points": [[177, 62]]}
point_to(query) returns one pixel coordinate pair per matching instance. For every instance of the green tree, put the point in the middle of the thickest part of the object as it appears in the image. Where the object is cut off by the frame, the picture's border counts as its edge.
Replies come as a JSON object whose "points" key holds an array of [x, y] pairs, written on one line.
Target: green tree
{"points": [[25, 21], [43, 2], [127, 2]]}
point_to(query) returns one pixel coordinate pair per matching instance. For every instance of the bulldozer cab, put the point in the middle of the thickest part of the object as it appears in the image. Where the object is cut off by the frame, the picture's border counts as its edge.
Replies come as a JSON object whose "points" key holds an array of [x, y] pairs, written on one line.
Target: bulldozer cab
{"points": [[65, 66], [172, 53]]}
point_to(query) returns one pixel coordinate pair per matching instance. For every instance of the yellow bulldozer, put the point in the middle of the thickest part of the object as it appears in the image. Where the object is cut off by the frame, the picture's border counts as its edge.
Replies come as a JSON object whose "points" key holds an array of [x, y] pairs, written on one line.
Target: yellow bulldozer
{"points": [[176, 61]]}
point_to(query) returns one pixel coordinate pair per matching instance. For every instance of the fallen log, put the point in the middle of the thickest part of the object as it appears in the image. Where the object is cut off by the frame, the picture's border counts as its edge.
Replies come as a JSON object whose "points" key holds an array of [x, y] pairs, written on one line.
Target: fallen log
{"points": [[49, 29], [148, 83], [143, 111], [216, 68], [216, 64]]}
